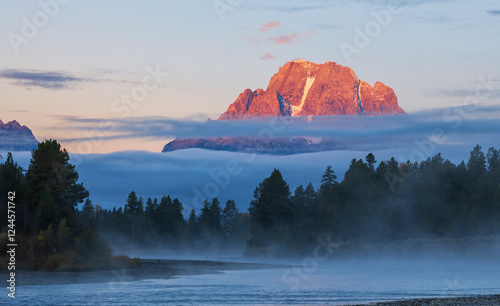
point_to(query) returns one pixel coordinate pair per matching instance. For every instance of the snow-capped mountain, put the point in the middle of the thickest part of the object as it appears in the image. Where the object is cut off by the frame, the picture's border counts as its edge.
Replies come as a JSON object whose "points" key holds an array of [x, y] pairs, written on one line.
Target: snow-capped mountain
{"points": [[300, 88]]}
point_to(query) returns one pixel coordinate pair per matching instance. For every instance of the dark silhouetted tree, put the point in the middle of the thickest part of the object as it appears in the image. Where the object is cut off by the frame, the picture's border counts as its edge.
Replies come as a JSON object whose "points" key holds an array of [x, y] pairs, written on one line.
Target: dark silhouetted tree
{"points": [[272, 212], [50, 167], [370, 160], [229, 215], [12, 179], [89, 213], [210, 217]]}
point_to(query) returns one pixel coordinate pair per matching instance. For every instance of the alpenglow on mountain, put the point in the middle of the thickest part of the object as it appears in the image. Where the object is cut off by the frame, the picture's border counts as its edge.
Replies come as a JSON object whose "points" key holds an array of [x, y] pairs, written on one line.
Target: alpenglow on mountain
{"points": [[300, 88], [16, 137]]}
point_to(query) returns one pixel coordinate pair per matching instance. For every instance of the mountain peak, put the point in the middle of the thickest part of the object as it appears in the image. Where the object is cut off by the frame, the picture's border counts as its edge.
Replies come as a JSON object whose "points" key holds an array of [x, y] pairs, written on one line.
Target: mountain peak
{"points": [[15, 124], [11, 126], [300, 88], [16, 137], [303, 88]]}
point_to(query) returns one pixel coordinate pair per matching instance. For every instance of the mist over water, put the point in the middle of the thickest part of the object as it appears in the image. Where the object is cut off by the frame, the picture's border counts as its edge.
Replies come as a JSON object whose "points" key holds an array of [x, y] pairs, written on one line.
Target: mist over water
{"points": [[335, 282]]}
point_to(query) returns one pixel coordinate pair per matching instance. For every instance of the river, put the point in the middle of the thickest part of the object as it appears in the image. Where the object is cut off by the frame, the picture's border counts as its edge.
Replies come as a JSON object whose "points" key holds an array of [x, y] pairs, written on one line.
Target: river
{"points": [[336, 282]]}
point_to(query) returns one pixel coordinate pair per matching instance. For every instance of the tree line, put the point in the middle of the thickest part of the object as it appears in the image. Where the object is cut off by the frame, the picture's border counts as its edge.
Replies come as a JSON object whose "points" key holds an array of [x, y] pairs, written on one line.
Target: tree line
{"points": [[375, 202], [49, 231], [160, 223], [393, 201]]}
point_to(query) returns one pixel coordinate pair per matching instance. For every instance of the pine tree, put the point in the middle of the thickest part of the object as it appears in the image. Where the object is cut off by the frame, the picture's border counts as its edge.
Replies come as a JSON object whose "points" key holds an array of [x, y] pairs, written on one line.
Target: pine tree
{"points": [[271, 211], [229, 215], [12, 179], [215, 215], [151, 207], [205, 213], [494, 164], [192, 226], [327, 201], [477, 163], [50, 167], [370, 160], [175, 219], [132, 204], [133, 215], [329, 178], [210, 217], [46, 213], [89, 213], [310, 194], [192, 217]]}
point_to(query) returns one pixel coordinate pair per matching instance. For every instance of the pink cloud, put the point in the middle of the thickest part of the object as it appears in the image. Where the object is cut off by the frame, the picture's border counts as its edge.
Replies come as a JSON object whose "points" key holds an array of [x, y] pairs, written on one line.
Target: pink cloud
{"points": [[270, 25], [285, 39], [267, 56]]}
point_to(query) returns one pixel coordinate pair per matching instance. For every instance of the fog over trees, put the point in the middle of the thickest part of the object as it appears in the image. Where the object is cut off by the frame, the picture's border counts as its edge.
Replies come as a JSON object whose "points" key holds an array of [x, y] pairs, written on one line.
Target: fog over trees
{"points": [[49, 231], [377, 202]]}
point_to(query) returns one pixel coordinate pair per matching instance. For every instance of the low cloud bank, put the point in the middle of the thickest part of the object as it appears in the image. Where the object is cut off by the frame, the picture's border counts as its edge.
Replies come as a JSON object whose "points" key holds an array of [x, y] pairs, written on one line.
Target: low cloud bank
{"points": [[470, 121]]}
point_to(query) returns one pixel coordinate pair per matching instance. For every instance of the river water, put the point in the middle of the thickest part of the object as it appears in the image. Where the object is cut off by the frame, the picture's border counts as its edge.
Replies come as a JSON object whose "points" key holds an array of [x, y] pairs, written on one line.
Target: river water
{"points": [[320, 283]]}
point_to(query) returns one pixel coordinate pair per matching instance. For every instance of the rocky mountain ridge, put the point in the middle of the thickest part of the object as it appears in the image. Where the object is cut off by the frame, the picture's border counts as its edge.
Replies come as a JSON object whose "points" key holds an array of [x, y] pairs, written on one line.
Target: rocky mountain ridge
{"points": [[300, 88], [16, 137]]}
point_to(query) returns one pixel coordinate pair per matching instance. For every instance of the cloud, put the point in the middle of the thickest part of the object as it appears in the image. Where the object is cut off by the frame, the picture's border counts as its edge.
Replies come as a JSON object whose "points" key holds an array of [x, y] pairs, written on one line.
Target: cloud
{"points": [[327, 4], [292, 39], [285, 39], [494, 12], [188, 173], [43, 79], [61, 80], [434, 18], [267, 56], [484, 93], [270, 25], [185, 174], [100, 70], [466, 124], [402, 3], [298, 9], [288, 8]]}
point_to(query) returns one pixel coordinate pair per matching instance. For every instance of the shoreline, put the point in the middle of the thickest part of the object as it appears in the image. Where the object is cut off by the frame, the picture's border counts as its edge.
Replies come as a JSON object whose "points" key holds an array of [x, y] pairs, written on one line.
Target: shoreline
{"points": [[150, 269], [475, 300]]}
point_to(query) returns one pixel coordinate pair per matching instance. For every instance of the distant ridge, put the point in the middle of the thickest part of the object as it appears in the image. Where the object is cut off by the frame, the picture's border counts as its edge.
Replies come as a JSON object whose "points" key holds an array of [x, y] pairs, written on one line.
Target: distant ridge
{"points": [[16, 137]]}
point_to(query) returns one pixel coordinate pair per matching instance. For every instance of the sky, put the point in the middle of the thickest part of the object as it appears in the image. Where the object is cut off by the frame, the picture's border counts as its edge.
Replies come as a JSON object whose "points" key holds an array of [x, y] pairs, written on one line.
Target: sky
{"points": [[103, 62]]}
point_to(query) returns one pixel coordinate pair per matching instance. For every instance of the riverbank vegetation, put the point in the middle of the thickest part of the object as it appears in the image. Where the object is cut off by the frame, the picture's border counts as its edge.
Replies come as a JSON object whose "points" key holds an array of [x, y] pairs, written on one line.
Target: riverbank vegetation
{"points": [[50, 233], [377, 203]]}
